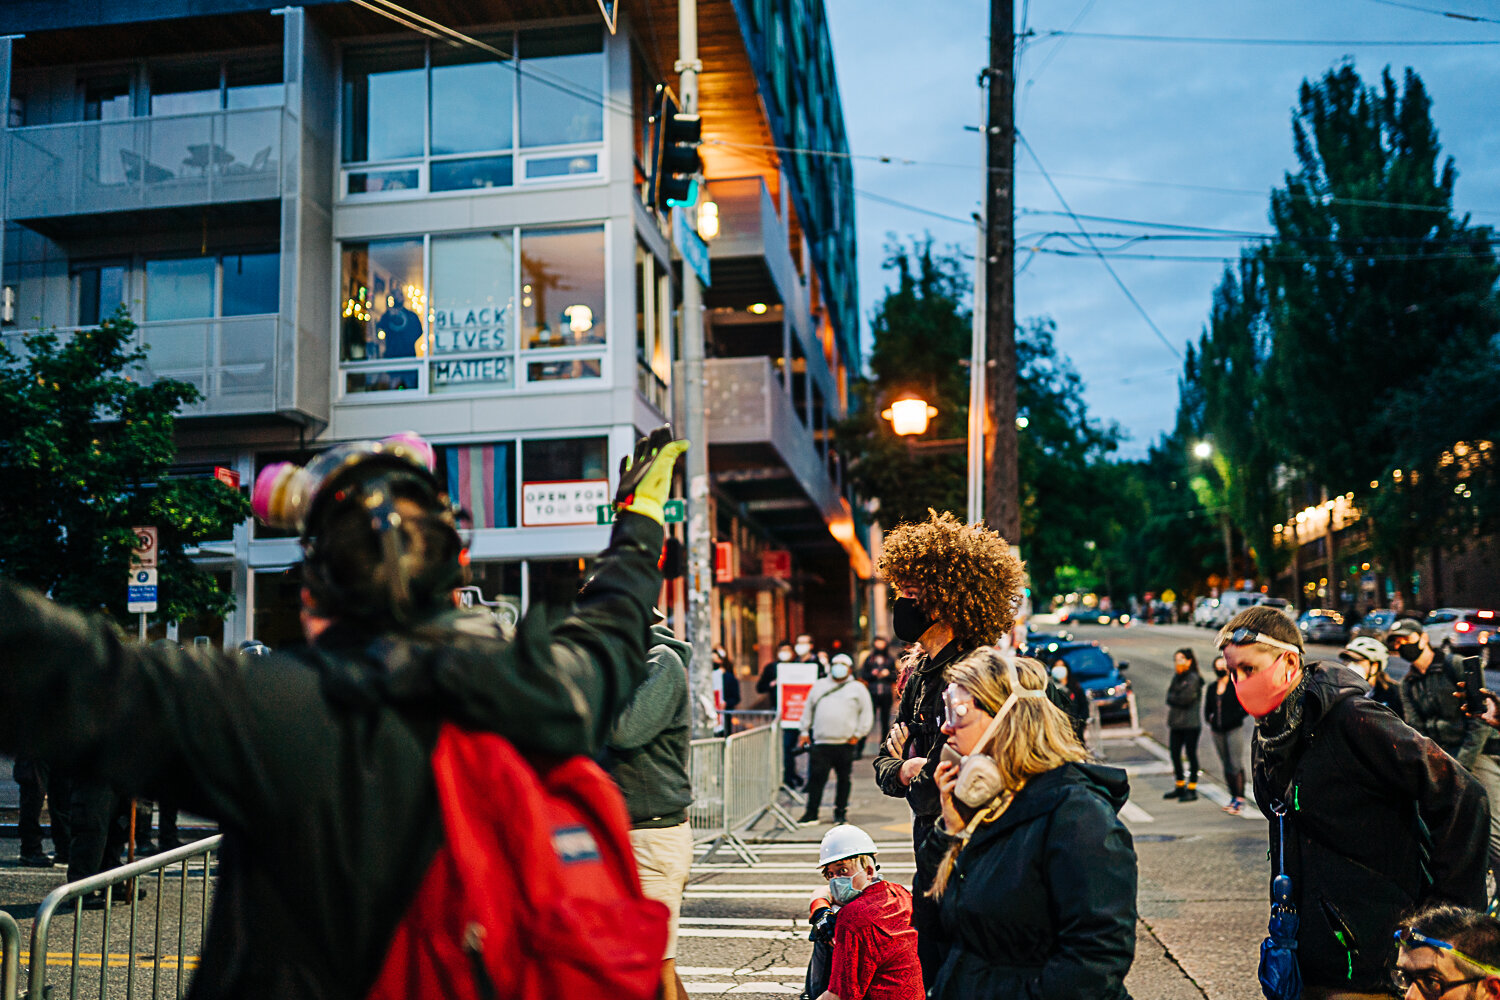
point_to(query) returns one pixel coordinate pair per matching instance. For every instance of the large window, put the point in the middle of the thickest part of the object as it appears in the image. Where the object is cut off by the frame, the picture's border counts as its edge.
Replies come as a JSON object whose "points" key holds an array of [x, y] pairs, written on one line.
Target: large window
{"points": [[526, 106], [440, 314], [185, 288]]}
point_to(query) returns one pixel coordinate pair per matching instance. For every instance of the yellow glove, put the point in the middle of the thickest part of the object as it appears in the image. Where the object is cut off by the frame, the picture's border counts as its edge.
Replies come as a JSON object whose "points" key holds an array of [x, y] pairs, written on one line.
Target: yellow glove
{"points": [[646, 476]]}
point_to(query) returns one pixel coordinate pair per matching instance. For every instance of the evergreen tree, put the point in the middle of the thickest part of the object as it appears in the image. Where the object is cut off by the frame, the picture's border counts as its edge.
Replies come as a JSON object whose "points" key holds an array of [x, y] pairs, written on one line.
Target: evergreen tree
{"points": [[87, 453]]}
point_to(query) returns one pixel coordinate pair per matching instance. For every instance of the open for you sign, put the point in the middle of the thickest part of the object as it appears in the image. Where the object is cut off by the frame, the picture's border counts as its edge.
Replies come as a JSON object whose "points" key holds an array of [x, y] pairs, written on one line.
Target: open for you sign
{"points": [[568, 502]]}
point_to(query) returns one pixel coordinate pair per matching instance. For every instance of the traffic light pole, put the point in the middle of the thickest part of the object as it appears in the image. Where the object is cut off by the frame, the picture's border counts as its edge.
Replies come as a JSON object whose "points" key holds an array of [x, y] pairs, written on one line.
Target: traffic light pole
{"points": [[694, 427]]}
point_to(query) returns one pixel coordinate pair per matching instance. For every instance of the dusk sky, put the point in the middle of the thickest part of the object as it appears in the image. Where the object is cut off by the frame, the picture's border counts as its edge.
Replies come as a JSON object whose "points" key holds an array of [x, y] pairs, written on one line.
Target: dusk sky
{"points": [[1184, 134]]}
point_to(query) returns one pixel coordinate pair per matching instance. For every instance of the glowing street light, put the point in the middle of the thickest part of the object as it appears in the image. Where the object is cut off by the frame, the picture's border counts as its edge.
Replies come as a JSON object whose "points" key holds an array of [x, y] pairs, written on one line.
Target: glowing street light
{"points": [[708, 220], [909, 416], [1203, 449]]}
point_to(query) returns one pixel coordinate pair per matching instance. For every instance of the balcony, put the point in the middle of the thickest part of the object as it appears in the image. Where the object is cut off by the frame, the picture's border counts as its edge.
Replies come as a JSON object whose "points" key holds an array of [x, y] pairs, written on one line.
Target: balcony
{"points": [[764, 457], [231, 361], [170, 161], [750, 251]]}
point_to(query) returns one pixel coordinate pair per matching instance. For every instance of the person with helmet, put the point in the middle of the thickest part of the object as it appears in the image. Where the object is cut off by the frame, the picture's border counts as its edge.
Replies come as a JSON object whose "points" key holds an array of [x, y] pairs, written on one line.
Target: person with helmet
{"points": [[837, 716], [254, 647], [1367, 656], [316, 761], [957, 588], [864, 947]]}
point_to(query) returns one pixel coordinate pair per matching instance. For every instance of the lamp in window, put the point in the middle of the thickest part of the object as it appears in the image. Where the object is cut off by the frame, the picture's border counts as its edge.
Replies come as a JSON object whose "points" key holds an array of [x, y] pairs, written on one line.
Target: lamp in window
{"points": [[909, 415], [580, 319], [708, 220]]}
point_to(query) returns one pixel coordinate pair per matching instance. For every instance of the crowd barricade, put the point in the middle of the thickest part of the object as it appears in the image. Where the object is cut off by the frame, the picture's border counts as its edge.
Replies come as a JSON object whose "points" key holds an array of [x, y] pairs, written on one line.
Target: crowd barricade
{"points": [[740, 721], [10, 954], [180, 875], [1097, 734], [736, 779]]}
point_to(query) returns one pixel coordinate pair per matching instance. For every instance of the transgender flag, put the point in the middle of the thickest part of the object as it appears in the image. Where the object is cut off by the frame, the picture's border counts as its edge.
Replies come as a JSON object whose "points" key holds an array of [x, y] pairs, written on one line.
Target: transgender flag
{"points": [[479, 481]]}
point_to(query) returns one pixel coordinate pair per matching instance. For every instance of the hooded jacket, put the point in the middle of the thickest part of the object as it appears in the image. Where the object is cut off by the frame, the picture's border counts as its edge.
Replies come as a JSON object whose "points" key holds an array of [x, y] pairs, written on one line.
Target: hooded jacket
{"points": [[316, 763], [646, 751], [1379, 821], [1041, 903]]}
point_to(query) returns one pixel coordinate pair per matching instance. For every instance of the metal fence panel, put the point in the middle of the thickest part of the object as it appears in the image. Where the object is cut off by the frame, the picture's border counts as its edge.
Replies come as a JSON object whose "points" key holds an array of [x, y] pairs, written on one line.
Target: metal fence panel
{"points": [[182, 875], [706, 771]]}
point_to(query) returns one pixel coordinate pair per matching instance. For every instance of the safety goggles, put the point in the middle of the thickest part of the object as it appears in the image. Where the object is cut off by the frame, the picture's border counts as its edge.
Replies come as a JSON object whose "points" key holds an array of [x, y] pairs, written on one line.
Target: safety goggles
{"points": [[957, 703], [1428, 983], [1249, 637]]}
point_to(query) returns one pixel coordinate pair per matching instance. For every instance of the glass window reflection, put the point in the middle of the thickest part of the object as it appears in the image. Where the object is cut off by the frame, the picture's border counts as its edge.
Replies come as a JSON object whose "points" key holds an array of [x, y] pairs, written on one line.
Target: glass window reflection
{"points": [[562, 287], [180, 289], [384, 93], [472, 95], [562, 90], [384, 300], [252, 284]]}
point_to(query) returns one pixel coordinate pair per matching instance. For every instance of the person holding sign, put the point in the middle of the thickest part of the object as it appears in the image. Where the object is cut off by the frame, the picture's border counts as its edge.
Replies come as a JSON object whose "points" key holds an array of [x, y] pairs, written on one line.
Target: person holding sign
{"points": [[838, 715]]}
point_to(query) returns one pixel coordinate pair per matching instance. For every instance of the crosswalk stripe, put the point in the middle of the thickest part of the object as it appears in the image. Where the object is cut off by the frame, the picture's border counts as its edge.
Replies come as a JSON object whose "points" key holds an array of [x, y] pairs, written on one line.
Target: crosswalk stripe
{"points": [[744, 989], [741, 933], [1135, 814]]}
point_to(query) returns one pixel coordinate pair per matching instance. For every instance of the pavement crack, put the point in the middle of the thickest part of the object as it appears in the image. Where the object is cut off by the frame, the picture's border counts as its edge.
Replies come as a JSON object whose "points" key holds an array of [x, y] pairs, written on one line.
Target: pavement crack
{"points": [[1172, 958]]}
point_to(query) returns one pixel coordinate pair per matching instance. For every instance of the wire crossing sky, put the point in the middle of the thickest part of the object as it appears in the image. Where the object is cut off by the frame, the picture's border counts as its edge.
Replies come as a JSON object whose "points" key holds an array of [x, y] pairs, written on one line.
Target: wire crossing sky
{"points": [[1160, 150]]}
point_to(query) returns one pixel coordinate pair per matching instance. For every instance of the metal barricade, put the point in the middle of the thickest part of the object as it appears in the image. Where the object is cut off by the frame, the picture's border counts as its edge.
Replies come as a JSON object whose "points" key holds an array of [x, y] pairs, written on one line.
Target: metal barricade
{"points": [[706, 772], [194, 862], [10, 953], [751, 778], [740, 721]]}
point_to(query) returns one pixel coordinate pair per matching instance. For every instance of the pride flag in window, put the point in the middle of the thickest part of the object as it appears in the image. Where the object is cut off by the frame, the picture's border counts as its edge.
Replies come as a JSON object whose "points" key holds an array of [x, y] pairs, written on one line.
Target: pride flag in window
{"points": [[481, 479]]}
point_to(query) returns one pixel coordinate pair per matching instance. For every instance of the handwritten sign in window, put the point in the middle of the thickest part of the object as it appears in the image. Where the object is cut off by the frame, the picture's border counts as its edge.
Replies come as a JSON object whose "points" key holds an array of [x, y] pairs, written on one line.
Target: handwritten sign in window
{"points": [[568, 502]]}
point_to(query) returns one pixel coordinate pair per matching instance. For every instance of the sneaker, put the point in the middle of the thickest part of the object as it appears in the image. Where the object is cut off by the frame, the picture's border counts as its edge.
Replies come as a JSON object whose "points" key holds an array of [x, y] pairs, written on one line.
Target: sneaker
{"points": [[1235, 807], [805, 820], [839, 820], [40, 859], [1175, 793], [1188, 795]]}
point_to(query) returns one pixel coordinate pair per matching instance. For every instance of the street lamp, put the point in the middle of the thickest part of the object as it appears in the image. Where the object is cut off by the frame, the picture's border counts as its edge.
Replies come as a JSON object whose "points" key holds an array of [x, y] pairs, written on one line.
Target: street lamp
{"points": [[1203, 449], [909, 416]]}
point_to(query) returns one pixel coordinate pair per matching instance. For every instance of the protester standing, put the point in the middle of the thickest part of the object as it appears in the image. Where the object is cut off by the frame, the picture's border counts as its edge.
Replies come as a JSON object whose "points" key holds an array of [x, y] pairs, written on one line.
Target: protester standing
{"points": [[767, 685], [1078, 699], [838, 715], [646, 752], [1226, 725], [879, 673], [1184, 724], [1035, 872], [37, 781], [1369, 819], [1367, 656]]}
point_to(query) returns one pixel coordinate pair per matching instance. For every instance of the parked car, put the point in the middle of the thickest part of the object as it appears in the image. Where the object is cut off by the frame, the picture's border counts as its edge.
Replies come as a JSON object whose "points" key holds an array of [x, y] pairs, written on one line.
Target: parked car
{"points": [[1282, 605], [1203, 611], [1038, 639], [1323, 625], [1231, 603], [1375, 624], [1096, 672], [1465, 631], [1092, 616]]}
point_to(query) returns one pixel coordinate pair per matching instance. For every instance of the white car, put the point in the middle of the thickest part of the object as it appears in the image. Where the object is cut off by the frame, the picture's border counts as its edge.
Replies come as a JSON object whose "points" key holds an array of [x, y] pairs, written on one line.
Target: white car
{"points": [[1203, 611], [1231, 603]]}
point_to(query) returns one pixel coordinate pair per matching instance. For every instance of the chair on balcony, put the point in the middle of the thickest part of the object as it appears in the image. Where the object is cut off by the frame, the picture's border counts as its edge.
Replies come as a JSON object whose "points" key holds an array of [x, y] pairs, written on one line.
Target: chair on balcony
{"points": [[138, 167], [261, 162]]}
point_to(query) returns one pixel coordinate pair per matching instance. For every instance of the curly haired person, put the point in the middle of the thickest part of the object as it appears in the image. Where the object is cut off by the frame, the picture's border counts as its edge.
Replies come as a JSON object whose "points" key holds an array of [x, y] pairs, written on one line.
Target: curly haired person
{"points": [[958, 587]]}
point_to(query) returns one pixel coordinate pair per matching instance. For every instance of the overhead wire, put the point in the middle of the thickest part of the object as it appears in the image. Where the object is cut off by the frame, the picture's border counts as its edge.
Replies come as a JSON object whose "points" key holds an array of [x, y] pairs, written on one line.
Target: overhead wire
{"points": [[1021, 138], [1101, 36], [1455, 15]]}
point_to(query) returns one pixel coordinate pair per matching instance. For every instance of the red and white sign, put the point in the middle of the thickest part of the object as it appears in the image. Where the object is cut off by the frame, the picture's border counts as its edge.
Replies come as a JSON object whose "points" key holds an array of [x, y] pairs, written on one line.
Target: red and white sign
{"points": [[776, 563], [144, 553], [793, 683], [725, 563], [572, 501], [228, 477]]}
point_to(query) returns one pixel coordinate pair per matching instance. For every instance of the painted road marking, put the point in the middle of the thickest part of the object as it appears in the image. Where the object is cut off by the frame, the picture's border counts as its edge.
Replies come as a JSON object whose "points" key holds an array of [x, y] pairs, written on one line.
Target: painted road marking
{"points": [[1133, 813]]}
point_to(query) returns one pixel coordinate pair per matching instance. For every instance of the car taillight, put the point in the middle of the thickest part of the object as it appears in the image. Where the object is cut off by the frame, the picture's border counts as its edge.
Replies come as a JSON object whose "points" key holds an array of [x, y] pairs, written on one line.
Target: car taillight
{"points": [[1463, 627]]}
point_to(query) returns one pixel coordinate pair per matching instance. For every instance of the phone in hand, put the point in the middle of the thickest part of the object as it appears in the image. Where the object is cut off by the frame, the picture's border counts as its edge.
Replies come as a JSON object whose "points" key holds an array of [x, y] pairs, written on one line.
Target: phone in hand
{"points": [[1474, 686]]}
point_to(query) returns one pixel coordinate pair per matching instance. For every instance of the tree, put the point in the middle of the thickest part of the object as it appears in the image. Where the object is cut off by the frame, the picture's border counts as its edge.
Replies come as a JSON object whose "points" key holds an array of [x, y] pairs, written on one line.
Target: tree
{"points": [[88, 455], [1372, 286]]}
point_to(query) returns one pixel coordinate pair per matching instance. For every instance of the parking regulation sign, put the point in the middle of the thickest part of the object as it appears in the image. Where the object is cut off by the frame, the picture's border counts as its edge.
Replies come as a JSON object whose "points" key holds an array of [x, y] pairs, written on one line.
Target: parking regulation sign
{"points": [[140, 591]]}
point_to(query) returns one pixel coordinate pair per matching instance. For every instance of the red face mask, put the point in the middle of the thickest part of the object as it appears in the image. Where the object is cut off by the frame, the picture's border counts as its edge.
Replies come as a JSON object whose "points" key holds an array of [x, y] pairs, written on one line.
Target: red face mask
{"points": [[1263, 691]]}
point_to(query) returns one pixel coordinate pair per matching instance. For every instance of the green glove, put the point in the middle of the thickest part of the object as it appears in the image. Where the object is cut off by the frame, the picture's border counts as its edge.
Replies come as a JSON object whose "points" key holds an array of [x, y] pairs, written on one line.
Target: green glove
{"points": [[646, 476]]}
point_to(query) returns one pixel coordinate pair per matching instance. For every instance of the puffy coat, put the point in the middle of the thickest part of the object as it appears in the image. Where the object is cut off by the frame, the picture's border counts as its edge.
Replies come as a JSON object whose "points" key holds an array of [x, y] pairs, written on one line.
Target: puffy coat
{"points": [[1379, 820], [1185, 701], [317, 763], [1041, 903]]}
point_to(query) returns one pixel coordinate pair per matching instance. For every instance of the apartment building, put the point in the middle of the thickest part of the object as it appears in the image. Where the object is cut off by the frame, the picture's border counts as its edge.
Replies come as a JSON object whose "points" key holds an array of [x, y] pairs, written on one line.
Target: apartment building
{"points": [[342, 220]]}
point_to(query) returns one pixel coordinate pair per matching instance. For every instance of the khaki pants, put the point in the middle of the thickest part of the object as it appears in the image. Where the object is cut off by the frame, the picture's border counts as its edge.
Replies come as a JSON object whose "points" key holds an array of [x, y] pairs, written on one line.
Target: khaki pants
{"points": [[664, 857]]}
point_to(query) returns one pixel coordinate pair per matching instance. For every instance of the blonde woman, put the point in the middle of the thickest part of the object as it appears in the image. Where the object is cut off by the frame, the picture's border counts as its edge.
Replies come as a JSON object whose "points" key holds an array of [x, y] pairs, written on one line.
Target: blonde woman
{"points": [[1036, 875]]}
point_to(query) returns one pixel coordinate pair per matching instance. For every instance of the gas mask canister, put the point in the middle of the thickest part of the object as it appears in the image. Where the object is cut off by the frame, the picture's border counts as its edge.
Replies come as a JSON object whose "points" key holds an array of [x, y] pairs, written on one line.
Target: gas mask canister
{"points": [[978, 775]]}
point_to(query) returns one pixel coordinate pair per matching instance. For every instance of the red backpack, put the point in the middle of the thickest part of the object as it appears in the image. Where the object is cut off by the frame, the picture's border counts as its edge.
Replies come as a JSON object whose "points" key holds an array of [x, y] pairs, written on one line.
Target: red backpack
{"points": [[533, 892]]}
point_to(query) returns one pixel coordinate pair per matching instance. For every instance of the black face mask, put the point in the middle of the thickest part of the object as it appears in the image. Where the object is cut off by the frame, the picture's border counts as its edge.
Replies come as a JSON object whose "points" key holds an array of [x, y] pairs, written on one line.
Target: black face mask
{"points": [[907, 620], [1409, 651]]}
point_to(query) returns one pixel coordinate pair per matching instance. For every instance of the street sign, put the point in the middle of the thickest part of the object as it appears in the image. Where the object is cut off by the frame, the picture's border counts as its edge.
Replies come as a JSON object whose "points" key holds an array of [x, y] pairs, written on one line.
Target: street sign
{"points": [[140, 591], [144, 553], [674, 510], [227, 476]]}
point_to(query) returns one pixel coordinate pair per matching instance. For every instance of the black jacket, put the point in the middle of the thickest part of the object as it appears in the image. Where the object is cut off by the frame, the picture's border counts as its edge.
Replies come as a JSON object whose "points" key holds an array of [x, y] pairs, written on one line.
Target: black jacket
{"points": [[879, 672], [316, 763], [1223, 711], [1185, 701], [1041, 903], [921, 711], [1433, 711], [1378, 819], [1388, 694]]}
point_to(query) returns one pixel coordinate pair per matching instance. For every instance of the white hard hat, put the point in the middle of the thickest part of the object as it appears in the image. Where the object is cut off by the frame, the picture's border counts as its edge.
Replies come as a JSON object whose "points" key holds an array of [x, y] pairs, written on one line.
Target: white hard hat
{"points": [[844, 841], [1367, 648]]}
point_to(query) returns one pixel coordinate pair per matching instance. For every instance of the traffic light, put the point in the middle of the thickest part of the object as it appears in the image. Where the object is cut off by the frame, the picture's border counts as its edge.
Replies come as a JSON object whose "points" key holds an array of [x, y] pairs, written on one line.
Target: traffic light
{"points": [[676, 164]]}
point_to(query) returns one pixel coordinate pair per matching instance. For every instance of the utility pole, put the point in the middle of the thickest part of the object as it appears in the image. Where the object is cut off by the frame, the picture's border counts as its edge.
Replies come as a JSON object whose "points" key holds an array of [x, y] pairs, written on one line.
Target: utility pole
{"points": [[1002, 494], [694, 426]]}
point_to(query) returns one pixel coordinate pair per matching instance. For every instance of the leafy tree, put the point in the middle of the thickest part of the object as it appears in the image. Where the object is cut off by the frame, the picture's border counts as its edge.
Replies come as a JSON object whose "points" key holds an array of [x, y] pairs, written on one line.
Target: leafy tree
{"points": [[1373, 287], [87, 456]]}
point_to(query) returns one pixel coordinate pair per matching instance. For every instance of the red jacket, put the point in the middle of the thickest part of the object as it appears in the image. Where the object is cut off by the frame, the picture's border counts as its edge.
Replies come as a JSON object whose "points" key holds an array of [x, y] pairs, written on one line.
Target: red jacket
{"points": [[875, 948]]}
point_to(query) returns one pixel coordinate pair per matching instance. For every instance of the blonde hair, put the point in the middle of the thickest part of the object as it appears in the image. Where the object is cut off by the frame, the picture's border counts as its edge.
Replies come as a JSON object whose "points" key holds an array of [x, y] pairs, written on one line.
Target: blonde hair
{"points": [[1034, 737]]}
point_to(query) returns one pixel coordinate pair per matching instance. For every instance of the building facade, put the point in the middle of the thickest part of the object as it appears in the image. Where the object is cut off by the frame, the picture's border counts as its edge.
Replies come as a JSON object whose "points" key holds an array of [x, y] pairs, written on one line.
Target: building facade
{"points": [[340, 223]]}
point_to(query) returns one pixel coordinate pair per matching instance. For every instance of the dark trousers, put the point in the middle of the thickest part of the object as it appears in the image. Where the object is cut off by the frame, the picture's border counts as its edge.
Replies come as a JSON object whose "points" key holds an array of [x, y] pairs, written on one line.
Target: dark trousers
{"points": [[882, 705], [789, 776], [839, 758], [1184, 741], [932, 945], [101, 827], [36, 780], [166, 830]]}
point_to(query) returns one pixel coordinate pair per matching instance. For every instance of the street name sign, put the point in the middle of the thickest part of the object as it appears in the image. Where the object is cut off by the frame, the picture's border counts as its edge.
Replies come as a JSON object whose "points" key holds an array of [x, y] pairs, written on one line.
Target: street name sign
{"points": [[675, 511]]}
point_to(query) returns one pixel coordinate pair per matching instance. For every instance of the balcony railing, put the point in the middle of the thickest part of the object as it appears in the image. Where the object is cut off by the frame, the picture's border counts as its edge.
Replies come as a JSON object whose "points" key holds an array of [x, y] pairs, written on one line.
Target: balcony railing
{"points": [[231, 360], [750, 227], [80, 168]]}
